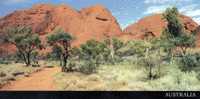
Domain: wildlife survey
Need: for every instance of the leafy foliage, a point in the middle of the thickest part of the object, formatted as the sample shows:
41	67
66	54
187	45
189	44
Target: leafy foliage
93	50
25	41
152	63
174	26
175	32
190	61
113	45
61	43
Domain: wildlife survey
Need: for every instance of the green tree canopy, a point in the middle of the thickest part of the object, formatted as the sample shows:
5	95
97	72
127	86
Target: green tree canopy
92	49
61	43
174	26
175	35
25	41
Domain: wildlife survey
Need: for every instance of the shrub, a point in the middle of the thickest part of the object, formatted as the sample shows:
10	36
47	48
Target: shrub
88	67
176	80
135	47
91	49
72	65
2	61
113	45
190	61
198	76
152	65
94	50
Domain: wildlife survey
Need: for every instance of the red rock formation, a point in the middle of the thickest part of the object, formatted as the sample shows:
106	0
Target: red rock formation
94	22
154	25
89	23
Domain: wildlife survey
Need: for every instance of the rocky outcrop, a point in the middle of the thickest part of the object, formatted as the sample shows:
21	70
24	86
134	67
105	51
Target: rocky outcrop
89	23
95	22
153	26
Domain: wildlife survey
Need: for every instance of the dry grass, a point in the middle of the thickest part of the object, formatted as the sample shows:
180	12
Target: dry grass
123	76
78	81
130	78
108	78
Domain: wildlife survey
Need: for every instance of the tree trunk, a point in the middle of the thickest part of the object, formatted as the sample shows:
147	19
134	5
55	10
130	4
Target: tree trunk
61	60
147	52
171	55
65	62
28	59
150	72
184	50
64	68
159	68
24	57
112	52
172	58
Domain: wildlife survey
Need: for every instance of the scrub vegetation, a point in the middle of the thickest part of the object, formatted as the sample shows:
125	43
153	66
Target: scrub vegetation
168	63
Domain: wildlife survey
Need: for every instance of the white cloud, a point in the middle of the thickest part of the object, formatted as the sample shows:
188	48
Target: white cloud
197	19
164	1
156	9
191	11
189	7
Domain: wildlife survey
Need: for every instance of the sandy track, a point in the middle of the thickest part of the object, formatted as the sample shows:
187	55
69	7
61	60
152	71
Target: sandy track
41	81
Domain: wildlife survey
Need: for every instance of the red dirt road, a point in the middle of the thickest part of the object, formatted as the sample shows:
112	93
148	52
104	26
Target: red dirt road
40	81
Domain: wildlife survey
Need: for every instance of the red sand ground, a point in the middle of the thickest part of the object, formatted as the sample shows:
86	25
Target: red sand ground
42	80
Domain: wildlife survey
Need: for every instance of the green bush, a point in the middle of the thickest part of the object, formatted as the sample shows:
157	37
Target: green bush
88	67
176	80
152	65
92	49
190	61
133	47
4	61
72	65
198	76
55	54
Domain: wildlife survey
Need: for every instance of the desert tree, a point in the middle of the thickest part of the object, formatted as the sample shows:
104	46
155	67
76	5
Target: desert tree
25	41
113	44
174	26
146	54
61	42
174	34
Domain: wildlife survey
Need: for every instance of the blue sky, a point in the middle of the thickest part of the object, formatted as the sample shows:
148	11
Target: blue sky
126	11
